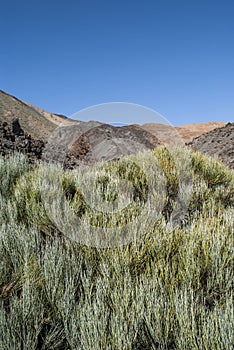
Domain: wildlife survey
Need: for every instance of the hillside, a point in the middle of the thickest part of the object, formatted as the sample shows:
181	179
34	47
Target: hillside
189	131
72	142
40	124
56	119
92	142
171	135
217	143
105	143
36	122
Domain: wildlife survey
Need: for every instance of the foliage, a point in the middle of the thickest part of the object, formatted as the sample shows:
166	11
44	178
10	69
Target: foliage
171	288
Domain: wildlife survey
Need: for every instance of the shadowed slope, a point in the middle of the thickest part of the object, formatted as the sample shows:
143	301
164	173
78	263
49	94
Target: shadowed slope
217	143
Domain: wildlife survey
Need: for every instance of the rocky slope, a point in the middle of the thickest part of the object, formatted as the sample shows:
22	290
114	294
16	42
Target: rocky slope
217	143
167	134
14	139
56	138
84	143
189	131
92	142
34	121
179	135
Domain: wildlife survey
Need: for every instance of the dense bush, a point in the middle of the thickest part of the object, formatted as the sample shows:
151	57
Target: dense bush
169	287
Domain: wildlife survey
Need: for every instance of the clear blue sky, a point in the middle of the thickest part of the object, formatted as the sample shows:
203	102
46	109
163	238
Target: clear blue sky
174	56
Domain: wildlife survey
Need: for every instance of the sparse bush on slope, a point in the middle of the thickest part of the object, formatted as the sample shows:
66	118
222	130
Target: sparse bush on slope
170	288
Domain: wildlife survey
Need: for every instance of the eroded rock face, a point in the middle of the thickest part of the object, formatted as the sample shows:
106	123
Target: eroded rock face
14	139
59	147
217	143
86	143
91	142
107	143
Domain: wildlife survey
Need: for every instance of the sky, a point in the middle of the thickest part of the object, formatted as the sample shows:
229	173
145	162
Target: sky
172	56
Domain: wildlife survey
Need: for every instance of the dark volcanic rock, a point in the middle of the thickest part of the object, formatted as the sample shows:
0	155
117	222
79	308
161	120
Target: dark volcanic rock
217	143
106	143
57	148
92	142
16	128
14	139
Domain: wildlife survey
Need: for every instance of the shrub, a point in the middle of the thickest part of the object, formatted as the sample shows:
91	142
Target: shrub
168	288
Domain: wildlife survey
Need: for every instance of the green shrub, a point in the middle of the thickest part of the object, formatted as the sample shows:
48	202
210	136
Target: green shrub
168	288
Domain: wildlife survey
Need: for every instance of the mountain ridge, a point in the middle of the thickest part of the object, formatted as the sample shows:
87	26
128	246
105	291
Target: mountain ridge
35	121
10	109
70	142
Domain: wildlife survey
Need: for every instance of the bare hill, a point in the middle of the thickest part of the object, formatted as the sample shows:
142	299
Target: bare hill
57	119
39	124
189	131
93	142
72	142
217	143
167	134
179	135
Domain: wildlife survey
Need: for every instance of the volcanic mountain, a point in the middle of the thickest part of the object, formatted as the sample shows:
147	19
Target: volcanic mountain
92	142
71	142
64	140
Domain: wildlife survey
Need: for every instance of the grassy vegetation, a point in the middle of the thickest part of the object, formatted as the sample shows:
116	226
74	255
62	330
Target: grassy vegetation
168	287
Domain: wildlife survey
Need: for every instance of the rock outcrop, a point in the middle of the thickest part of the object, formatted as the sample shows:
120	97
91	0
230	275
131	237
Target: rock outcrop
14	139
